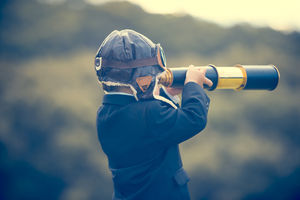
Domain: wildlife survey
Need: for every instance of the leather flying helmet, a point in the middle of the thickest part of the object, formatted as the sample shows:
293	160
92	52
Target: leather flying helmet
129	59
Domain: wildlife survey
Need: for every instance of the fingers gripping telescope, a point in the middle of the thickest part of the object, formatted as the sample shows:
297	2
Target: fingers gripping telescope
239	77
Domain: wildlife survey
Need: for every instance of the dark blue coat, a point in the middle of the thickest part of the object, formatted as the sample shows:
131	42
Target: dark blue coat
140	139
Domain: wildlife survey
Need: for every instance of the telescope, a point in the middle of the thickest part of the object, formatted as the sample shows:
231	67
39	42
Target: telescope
238	77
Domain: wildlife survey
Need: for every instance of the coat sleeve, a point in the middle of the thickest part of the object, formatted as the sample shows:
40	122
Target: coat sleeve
172	126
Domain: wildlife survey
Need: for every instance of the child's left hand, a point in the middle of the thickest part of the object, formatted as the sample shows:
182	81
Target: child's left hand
173	91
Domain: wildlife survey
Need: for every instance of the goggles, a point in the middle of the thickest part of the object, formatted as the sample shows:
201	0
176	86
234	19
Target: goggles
159	59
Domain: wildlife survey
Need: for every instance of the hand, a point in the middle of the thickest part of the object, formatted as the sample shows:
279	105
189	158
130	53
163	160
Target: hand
156	90
197	75
173	91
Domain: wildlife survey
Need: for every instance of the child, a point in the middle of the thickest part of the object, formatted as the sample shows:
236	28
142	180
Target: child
140	123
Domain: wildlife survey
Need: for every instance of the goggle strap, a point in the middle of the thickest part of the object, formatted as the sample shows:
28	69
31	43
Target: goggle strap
130	64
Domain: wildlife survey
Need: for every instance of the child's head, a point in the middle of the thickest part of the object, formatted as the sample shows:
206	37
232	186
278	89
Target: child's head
129	62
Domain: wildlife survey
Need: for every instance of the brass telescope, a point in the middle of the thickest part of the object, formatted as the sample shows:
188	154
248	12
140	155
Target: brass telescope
238	77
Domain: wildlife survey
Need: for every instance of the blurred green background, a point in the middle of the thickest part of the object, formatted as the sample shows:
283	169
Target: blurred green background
49	96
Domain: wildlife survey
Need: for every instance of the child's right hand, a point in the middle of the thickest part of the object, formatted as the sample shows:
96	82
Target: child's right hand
197	75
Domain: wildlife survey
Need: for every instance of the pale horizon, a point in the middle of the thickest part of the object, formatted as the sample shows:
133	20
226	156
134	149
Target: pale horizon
279	15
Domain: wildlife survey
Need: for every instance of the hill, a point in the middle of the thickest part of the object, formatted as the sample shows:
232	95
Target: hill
35	28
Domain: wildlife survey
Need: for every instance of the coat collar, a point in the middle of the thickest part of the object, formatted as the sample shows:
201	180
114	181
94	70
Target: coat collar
118	99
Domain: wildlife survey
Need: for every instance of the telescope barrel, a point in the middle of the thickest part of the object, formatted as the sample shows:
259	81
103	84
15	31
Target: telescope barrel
239	77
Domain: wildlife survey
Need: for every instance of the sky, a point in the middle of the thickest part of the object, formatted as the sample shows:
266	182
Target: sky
281	15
